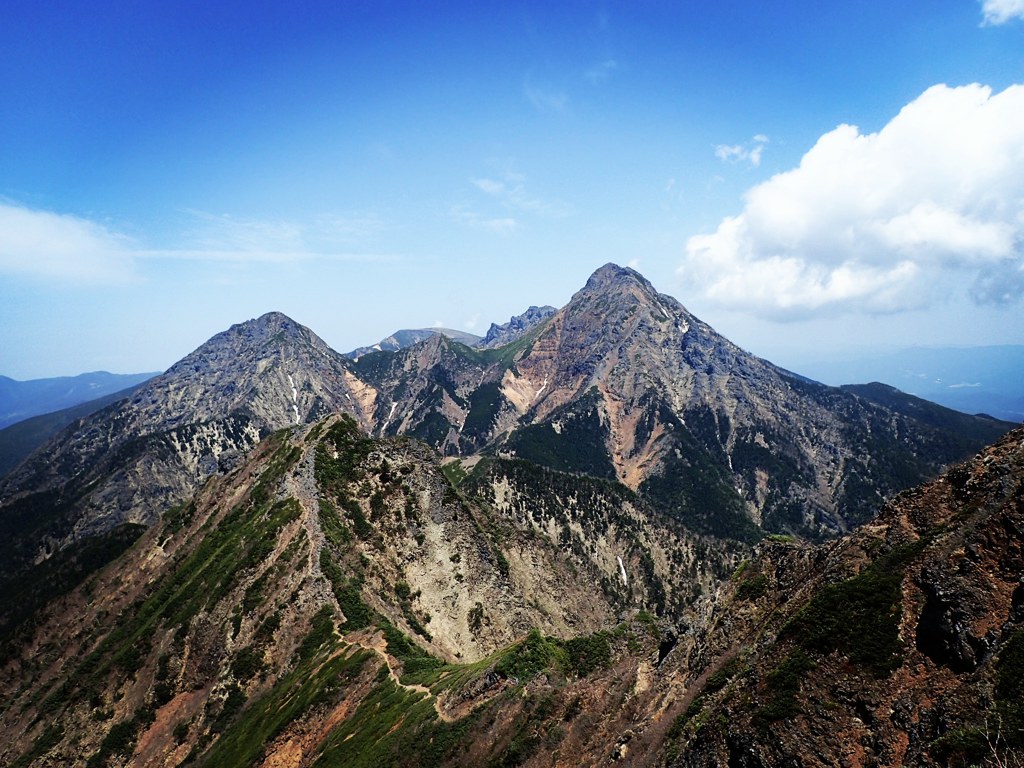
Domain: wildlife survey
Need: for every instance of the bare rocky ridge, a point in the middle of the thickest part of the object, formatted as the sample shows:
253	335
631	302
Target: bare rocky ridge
516	328
318	528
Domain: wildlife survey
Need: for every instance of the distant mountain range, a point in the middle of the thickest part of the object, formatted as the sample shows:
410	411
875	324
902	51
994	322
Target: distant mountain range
497	335
611	536
970	379
20	400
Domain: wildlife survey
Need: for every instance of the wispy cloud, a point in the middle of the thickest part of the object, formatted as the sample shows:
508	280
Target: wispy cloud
43	244
743	153
995	12
601	71
882	222
224	232
463	214
324	233
65	248
510	190
545	99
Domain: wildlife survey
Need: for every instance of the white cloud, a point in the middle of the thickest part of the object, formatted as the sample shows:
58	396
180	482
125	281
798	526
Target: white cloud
881	222
223	232
996	12
739	153
60	246
490	186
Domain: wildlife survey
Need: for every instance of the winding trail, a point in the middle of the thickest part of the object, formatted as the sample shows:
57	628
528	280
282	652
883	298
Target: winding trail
301	485
375	642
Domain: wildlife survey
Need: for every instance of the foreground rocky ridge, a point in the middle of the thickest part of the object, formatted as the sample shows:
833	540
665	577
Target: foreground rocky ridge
335	600
900	644
323	572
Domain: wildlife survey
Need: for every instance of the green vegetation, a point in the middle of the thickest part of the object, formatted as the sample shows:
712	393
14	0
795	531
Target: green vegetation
391	726
316	680
21	598
858	617
577	445
531	656
783	685
484	406
753	588
698	488
588	653
248	663
1002	731
432	430
119	741
236	543
351	448
47	740
454	472
715	682
503	357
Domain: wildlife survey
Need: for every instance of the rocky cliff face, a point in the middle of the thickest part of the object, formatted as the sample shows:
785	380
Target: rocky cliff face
901	644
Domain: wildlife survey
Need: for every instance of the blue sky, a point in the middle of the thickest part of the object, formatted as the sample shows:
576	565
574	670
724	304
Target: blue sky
810	178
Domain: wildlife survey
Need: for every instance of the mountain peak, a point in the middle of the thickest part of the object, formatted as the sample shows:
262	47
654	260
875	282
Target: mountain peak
269	323
273	318
613	276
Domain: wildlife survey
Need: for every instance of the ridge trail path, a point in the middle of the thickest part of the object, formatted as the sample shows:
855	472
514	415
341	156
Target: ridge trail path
301	486
374	641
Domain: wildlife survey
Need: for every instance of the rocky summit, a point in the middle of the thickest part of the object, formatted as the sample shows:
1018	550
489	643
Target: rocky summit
606	535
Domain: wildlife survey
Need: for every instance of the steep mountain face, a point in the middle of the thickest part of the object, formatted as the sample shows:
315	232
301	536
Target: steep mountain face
514	329
21	400
623	383
265	621
131	461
